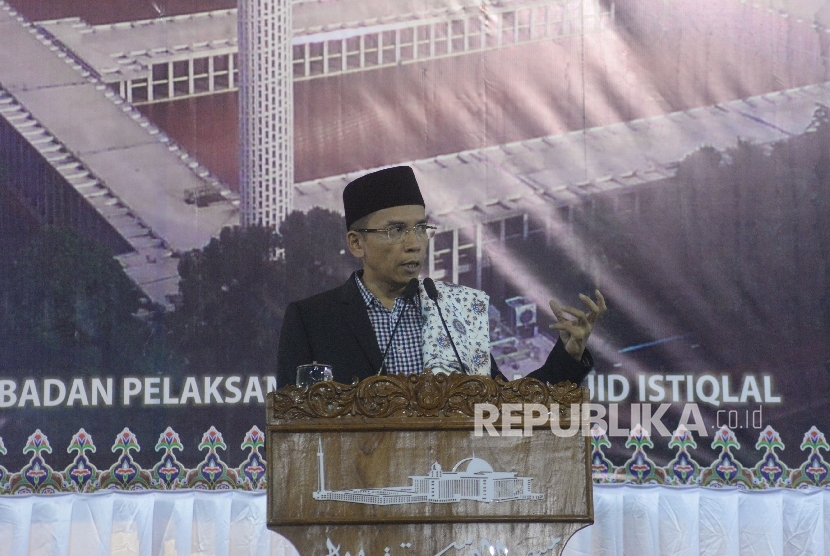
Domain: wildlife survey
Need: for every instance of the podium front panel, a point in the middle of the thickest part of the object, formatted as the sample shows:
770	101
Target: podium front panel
377	462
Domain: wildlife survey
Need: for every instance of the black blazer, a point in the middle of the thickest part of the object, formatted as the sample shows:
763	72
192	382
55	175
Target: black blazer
333	327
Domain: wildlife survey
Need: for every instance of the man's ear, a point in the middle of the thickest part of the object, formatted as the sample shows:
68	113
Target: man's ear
354	241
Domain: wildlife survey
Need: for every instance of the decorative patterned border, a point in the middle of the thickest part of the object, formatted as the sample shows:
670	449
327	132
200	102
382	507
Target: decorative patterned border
725	470
212	473
38	477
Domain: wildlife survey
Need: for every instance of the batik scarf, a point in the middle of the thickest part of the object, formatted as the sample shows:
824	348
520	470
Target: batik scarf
466	312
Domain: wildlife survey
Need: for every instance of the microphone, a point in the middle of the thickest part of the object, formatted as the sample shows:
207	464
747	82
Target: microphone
432	293
408	295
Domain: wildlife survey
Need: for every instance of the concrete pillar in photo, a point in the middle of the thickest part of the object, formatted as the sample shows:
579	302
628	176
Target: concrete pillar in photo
266	111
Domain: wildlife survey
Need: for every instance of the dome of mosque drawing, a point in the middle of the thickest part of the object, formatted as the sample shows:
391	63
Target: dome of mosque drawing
474	465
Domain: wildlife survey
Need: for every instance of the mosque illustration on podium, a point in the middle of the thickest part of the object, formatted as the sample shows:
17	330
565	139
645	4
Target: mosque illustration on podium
471	479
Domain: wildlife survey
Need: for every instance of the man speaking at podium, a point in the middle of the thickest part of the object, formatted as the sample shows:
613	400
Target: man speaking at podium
384	320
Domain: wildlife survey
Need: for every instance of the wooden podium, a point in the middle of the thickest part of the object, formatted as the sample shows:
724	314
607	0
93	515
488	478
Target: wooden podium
395	466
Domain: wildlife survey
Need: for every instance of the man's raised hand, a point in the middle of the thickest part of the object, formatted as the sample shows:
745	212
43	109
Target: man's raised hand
574	332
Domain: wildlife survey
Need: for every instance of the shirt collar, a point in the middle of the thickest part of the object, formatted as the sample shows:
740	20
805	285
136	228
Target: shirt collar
369	297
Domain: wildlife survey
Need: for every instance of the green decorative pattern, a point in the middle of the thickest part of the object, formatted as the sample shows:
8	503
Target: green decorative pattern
169	474
683	469
639	469
81	473
125	474
212	473
814	471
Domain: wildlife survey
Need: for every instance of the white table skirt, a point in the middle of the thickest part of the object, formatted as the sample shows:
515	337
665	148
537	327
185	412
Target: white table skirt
629	521
634	520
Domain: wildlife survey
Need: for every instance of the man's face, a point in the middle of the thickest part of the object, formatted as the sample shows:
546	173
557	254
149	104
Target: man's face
386	262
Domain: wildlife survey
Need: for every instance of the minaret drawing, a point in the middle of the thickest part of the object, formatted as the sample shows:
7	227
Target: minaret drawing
321	469
266	111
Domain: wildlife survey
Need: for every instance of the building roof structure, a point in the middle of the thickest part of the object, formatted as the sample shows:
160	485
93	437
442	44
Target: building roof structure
527	177
329	37
123	165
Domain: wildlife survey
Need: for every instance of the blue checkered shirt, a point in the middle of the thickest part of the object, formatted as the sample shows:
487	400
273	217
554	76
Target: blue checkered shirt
405	356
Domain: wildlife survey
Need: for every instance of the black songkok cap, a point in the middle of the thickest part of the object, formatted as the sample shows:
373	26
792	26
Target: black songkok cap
390	187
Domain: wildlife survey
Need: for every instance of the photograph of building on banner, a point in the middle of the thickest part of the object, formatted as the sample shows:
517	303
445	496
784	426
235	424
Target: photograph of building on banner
159	213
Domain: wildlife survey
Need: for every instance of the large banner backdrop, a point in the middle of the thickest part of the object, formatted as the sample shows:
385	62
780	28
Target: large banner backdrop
674	154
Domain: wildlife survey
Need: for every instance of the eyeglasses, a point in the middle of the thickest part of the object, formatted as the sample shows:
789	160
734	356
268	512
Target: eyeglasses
397	233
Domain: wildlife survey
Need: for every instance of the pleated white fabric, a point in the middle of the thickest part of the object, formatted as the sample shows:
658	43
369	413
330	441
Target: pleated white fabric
634	520
177	523
629	521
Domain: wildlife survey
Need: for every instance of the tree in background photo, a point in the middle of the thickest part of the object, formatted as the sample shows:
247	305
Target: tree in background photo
68	307
234	291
